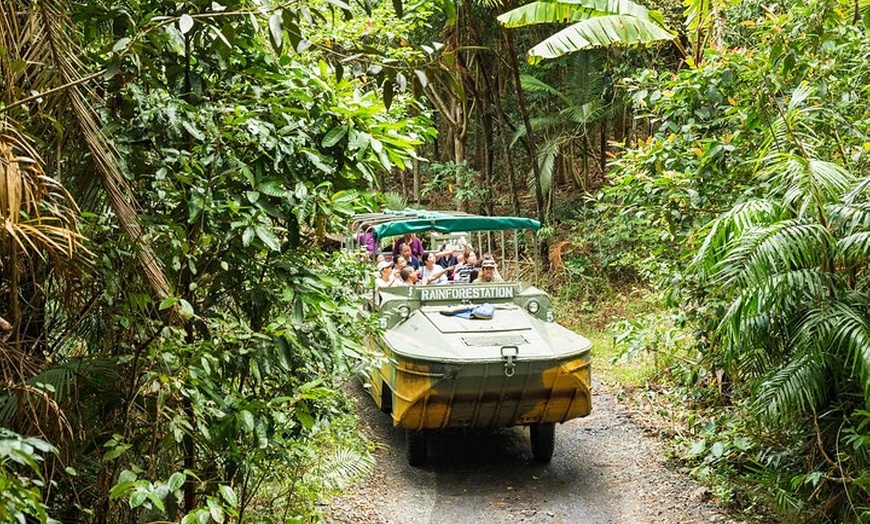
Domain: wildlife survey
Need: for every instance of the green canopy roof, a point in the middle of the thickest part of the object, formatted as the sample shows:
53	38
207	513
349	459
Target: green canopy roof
396	223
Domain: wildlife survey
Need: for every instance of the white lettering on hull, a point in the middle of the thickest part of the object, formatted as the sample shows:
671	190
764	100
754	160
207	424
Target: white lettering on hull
466	293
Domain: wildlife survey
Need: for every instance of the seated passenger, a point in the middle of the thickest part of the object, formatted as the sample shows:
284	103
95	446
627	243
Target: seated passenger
432	274
400	262
447	256
467	272
412	240
386	278
410	258
367	238
488	273
408	276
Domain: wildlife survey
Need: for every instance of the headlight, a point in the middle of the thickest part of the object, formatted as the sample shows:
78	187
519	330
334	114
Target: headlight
404	312
533	306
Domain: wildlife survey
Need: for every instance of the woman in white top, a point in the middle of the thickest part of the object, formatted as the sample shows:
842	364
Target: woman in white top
431	274
386	278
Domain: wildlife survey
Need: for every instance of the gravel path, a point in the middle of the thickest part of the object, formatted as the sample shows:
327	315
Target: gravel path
605	469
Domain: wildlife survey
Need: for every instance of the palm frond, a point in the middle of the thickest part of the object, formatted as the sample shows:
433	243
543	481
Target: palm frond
720	232
536	85
547	163
797	386
343	465
784	246
848	218
584	114
65	55
854	249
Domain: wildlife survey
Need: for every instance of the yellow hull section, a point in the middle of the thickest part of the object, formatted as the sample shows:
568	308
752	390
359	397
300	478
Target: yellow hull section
480	394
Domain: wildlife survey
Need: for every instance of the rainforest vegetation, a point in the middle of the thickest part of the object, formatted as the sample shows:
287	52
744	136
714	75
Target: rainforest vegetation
176	323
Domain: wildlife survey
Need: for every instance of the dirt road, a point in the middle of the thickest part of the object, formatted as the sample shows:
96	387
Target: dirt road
605	470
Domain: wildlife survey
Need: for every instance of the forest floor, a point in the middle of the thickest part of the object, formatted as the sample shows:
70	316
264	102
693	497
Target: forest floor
607	468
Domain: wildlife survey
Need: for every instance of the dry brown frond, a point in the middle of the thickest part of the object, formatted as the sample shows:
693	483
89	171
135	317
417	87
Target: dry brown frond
121	197
556	250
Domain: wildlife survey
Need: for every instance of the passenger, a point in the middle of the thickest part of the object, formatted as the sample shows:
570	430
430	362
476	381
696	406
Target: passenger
433	274
367	238
468	271
400	262
447	256
488	273
386	278
406	251
409	276
411	240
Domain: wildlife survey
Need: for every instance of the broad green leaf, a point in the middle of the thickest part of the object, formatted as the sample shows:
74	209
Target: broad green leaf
273	188
247	420
276	30
176	481
247	236
697	448
421	76
116	452
215	509
570	11
334	135
120	44
168	302
269	238
121	489
138	498
228	495
185	23
598	32
340	4
186	307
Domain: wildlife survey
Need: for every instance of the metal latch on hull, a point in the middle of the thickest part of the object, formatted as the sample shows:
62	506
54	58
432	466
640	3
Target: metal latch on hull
509	355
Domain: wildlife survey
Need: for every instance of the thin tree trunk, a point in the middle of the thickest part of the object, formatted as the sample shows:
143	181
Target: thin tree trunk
530	144
603	147
530	137
415	170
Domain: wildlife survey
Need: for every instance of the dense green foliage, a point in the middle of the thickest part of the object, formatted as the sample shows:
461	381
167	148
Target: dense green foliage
201	382
170	175
757	174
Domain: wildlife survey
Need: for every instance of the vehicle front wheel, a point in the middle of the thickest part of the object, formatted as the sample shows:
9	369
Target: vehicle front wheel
543	438
415	442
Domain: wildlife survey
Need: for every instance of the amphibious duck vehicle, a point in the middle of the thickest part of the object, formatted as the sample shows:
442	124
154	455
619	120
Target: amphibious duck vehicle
473	354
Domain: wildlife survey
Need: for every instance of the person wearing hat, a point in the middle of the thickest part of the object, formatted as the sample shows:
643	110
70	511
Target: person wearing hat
488	273
386	278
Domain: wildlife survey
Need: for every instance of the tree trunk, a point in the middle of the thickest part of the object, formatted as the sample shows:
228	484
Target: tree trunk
530	144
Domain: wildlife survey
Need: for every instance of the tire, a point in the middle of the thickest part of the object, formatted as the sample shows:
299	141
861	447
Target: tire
543	437
415	442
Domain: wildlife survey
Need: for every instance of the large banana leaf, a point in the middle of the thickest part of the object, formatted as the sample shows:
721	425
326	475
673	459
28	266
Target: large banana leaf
566	11
598	32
